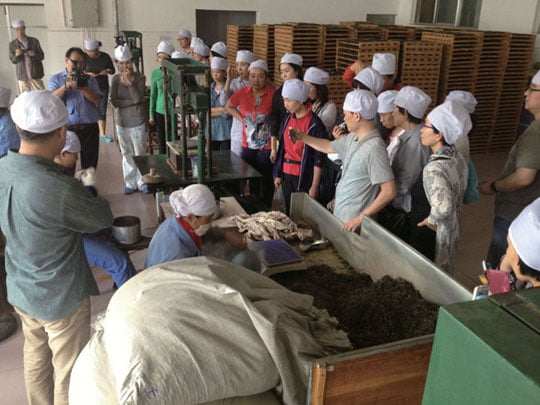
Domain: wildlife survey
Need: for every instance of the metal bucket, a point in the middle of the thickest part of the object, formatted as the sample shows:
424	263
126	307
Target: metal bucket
127	229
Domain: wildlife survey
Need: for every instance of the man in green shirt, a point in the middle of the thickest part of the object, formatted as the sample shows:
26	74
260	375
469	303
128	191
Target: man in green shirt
43	214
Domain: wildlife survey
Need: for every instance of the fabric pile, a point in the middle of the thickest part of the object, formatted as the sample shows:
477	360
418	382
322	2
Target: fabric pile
270	225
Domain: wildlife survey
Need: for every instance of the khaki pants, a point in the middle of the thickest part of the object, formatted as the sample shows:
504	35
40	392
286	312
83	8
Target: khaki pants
33	84
53	346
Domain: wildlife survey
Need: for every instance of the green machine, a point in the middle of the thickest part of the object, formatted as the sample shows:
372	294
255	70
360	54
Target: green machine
487	352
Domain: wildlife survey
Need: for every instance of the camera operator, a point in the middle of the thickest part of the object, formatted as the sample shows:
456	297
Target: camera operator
81	95
25	52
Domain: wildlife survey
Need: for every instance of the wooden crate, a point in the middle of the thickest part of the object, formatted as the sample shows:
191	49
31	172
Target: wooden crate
263	45
238	37
333	33
337	90
306	40
399	32
350	51
421	67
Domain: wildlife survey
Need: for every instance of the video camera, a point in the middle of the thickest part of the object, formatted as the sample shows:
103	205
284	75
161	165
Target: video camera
78	75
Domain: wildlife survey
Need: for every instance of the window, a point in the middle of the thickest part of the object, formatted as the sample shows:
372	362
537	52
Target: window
458	13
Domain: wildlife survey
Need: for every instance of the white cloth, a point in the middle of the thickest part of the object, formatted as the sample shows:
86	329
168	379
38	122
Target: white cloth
91	44
295	89
218	63
195	199
245	56
165	47
465	98
536	78
363	102
220	48
39	111
18	23
132	142
370	78
414	100
293	58
185	33
393	146
5	95
261	64
384	63
316	76
524	233
386	101
201	49
122	53
452	120
73	145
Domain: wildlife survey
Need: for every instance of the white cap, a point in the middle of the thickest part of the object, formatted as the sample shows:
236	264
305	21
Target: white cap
361	101
220	48
384	63
536	78
91	44
218	63
196	199
201	49
179	55
39	111
261	64
465	98
524	233
316	76
245	56
73	145
185	33
195	40
5	95
371	79
452	120
295	89
18	23
122	53
414	100
293	58
165	47
386	101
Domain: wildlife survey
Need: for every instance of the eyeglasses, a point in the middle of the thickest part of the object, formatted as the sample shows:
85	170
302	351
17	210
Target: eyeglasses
427	126
532	89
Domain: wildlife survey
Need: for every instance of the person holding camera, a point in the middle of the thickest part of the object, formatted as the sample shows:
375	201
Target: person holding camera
81	95
26	53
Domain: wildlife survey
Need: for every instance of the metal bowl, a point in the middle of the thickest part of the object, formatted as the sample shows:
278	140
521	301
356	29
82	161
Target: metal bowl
127	229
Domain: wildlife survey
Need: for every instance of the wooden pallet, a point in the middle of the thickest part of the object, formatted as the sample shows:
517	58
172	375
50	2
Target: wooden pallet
238	37
350	51
421	67
337	90
306	40
263	45
359	23
333	33
399	32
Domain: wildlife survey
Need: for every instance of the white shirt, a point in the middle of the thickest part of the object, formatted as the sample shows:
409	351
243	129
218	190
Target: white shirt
393	146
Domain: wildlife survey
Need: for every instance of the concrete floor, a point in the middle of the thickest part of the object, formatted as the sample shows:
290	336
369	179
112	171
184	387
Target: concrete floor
476	234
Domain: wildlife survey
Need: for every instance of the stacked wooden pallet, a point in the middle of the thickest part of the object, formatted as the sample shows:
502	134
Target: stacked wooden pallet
337	89
514	84
359	23
461	55
238	37
304	39
420	31
399	32
333	33
350	51
263	45
493	59
421	67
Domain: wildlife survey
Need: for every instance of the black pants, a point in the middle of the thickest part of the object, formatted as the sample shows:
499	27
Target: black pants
289	185
88	135
221	145
161	136
260	160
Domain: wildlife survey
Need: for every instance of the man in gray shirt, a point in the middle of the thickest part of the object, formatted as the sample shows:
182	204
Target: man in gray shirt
43	213
367	183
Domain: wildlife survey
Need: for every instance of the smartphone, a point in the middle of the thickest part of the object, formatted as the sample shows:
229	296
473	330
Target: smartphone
499	281
343	126
480	291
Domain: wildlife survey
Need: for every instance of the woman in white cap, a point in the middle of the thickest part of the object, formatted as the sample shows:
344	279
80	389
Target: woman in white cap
219	49
100	65
467	101
127	96
9	137
157	104
391	131
221	119
368	79
298	166
201	52
290	67
384	63
243	59
252	105
184	40
445	178
321	104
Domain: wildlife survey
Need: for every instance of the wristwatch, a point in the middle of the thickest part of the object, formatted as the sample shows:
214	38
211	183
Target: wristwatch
492	187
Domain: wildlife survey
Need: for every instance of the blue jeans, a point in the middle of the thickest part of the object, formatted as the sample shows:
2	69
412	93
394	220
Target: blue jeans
497	248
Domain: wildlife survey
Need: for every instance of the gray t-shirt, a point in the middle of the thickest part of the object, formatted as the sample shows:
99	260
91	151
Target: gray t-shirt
524	154
365	167
128	101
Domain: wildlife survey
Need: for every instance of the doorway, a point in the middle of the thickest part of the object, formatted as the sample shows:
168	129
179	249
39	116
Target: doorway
211	25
